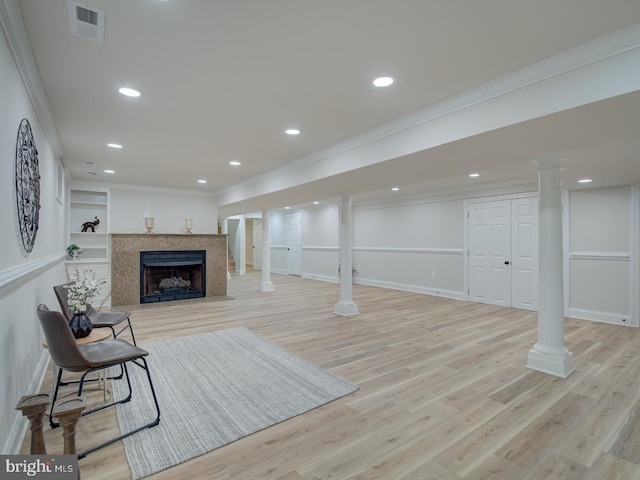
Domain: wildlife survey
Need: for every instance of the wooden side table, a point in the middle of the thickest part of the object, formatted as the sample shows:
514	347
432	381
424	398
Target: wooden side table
96	335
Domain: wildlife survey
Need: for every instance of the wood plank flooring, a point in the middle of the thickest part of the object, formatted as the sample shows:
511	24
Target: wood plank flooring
444	392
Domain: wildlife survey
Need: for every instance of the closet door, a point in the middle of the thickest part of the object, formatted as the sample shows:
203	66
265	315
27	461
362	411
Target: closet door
257	244
490	252
503	252
524	252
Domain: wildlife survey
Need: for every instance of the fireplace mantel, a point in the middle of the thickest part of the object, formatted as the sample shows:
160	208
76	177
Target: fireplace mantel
125	261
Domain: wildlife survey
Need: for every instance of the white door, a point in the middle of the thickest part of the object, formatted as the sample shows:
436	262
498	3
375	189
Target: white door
257	244
489	253
524	253
503	252
294	244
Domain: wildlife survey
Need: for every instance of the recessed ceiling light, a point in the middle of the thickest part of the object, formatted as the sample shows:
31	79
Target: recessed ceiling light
235	163
109	171
383	82
292	131
474	175
129	92
395	189
114	145
287	208
585	180
202	181
316	203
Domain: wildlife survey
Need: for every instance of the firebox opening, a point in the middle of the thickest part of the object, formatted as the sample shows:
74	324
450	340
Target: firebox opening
172	275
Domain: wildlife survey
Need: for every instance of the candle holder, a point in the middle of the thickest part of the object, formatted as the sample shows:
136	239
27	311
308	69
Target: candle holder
188	225
148	223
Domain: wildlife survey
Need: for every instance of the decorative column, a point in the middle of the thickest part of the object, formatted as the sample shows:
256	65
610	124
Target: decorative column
346	306
33	407
550	355
266	285
225	231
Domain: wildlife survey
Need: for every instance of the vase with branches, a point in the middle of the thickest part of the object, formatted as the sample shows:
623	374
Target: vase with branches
81	289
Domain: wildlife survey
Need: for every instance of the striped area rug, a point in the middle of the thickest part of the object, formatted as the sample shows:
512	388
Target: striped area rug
214	388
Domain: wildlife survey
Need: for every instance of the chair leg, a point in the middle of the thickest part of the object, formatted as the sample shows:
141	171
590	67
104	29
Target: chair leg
127	326
131	330
115	335
106	405
151	424
55	396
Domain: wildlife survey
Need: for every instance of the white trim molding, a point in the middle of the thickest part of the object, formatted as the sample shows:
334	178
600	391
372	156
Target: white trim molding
438	292
11	278
605	317
321	248
427	251
619	256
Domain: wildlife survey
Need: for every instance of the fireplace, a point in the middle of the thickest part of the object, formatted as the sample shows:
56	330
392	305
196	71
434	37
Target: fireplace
172	275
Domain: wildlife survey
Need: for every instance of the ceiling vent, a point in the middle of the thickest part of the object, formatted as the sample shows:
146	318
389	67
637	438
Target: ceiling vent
86	21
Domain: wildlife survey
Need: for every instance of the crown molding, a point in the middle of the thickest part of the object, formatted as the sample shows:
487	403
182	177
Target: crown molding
79	184
18	40
588	53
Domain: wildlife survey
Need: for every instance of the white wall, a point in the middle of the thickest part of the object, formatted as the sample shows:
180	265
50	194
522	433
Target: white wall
25	280
394	246
415	246
418	245
321	242
169	210
600	254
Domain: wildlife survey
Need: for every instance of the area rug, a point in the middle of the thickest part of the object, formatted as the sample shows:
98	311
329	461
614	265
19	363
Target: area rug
214	388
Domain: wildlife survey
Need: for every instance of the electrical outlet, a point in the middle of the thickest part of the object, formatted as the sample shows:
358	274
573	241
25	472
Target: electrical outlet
433	273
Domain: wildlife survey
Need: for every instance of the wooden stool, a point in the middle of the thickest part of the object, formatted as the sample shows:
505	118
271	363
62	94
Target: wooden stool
68	411
33	407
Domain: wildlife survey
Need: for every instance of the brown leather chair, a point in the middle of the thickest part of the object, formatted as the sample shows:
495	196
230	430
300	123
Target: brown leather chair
98	319
91	357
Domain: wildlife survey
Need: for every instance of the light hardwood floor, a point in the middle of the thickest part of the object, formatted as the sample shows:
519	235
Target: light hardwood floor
444	392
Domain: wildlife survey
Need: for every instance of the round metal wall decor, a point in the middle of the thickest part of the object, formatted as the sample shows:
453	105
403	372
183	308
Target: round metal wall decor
27	185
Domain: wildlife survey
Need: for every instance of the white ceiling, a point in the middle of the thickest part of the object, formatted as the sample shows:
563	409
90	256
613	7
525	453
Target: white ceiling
222	80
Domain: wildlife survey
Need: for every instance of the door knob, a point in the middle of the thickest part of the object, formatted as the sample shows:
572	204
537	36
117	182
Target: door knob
506	262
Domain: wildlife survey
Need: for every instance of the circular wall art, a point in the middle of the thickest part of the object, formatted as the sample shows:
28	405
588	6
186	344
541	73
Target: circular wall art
27	185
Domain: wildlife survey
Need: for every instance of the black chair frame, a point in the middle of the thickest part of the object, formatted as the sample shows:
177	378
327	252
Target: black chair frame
92	358
81	383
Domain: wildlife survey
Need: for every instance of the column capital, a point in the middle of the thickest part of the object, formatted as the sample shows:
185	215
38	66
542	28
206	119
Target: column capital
549	160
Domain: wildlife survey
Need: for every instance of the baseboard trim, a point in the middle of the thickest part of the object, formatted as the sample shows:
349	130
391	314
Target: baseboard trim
605	317
438	292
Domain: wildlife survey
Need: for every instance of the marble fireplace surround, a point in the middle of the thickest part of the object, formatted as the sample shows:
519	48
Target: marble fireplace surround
125	261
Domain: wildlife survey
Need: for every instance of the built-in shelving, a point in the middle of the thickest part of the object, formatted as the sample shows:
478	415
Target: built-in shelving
84	206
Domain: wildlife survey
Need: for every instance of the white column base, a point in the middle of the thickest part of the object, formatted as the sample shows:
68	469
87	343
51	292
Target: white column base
266	287
228	275
558	362
345	309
